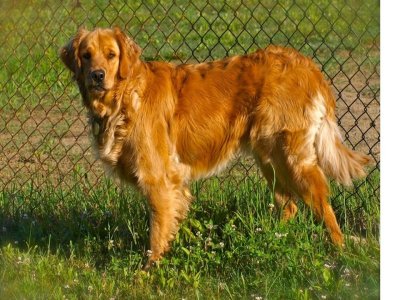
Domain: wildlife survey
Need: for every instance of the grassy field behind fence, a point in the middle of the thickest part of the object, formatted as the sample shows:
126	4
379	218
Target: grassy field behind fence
68	232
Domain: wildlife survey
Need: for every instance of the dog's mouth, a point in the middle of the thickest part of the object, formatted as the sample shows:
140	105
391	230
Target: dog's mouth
97	89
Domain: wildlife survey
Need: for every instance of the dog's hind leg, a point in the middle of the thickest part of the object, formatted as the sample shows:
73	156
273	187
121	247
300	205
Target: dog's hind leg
284	199
313	189
297	170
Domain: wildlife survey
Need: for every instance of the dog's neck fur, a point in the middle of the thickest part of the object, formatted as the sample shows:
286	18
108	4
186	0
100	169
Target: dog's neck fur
111	115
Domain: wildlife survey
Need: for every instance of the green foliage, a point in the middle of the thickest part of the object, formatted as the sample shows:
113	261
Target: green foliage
92	244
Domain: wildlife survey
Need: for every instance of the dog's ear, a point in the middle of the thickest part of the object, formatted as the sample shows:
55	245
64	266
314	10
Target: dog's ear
129	53
69	53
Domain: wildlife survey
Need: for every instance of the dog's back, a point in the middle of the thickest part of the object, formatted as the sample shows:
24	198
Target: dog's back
238	103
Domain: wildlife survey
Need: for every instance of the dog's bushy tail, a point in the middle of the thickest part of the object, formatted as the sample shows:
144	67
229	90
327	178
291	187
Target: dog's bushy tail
338	161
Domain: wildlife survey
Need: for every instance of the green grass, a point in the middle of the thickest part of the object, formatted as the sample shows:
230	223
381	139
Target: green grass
91	243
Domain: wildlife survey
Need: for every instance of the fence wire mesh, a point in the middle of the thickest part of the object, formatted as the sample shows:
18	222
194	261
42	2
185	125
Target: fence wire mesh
43	131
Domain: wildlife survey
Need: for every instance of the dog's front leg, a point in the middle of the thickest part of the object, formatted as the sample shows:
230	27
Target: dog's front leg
169	205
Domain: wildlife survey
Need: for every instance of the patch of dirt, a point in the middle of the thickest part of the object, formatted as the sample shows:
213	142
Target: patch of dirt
43	146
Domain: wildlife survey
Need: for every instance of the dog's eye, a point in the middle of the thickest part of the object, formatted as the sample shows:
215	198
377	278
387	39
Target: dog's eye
86	55
111	55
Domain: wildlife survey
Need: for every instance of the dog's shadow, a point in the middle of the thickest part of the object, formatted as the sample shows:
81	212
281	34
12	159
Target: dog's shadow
77	224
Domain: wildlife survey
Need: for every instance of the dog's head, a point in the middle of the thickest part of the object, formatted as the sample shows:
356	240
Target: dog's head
100	58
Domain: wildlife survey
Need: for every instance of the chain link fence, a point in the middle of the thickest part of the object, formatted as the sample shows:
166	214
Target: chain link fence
43	128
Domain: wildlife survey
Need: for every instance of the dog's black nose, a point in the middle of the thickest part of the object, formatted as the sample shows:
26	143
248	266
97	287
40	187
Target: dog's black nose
98	75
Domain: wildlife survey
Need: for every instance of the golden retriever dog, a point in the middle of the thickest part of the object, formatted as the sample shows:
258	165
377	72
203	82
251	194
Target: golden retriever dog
159	125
